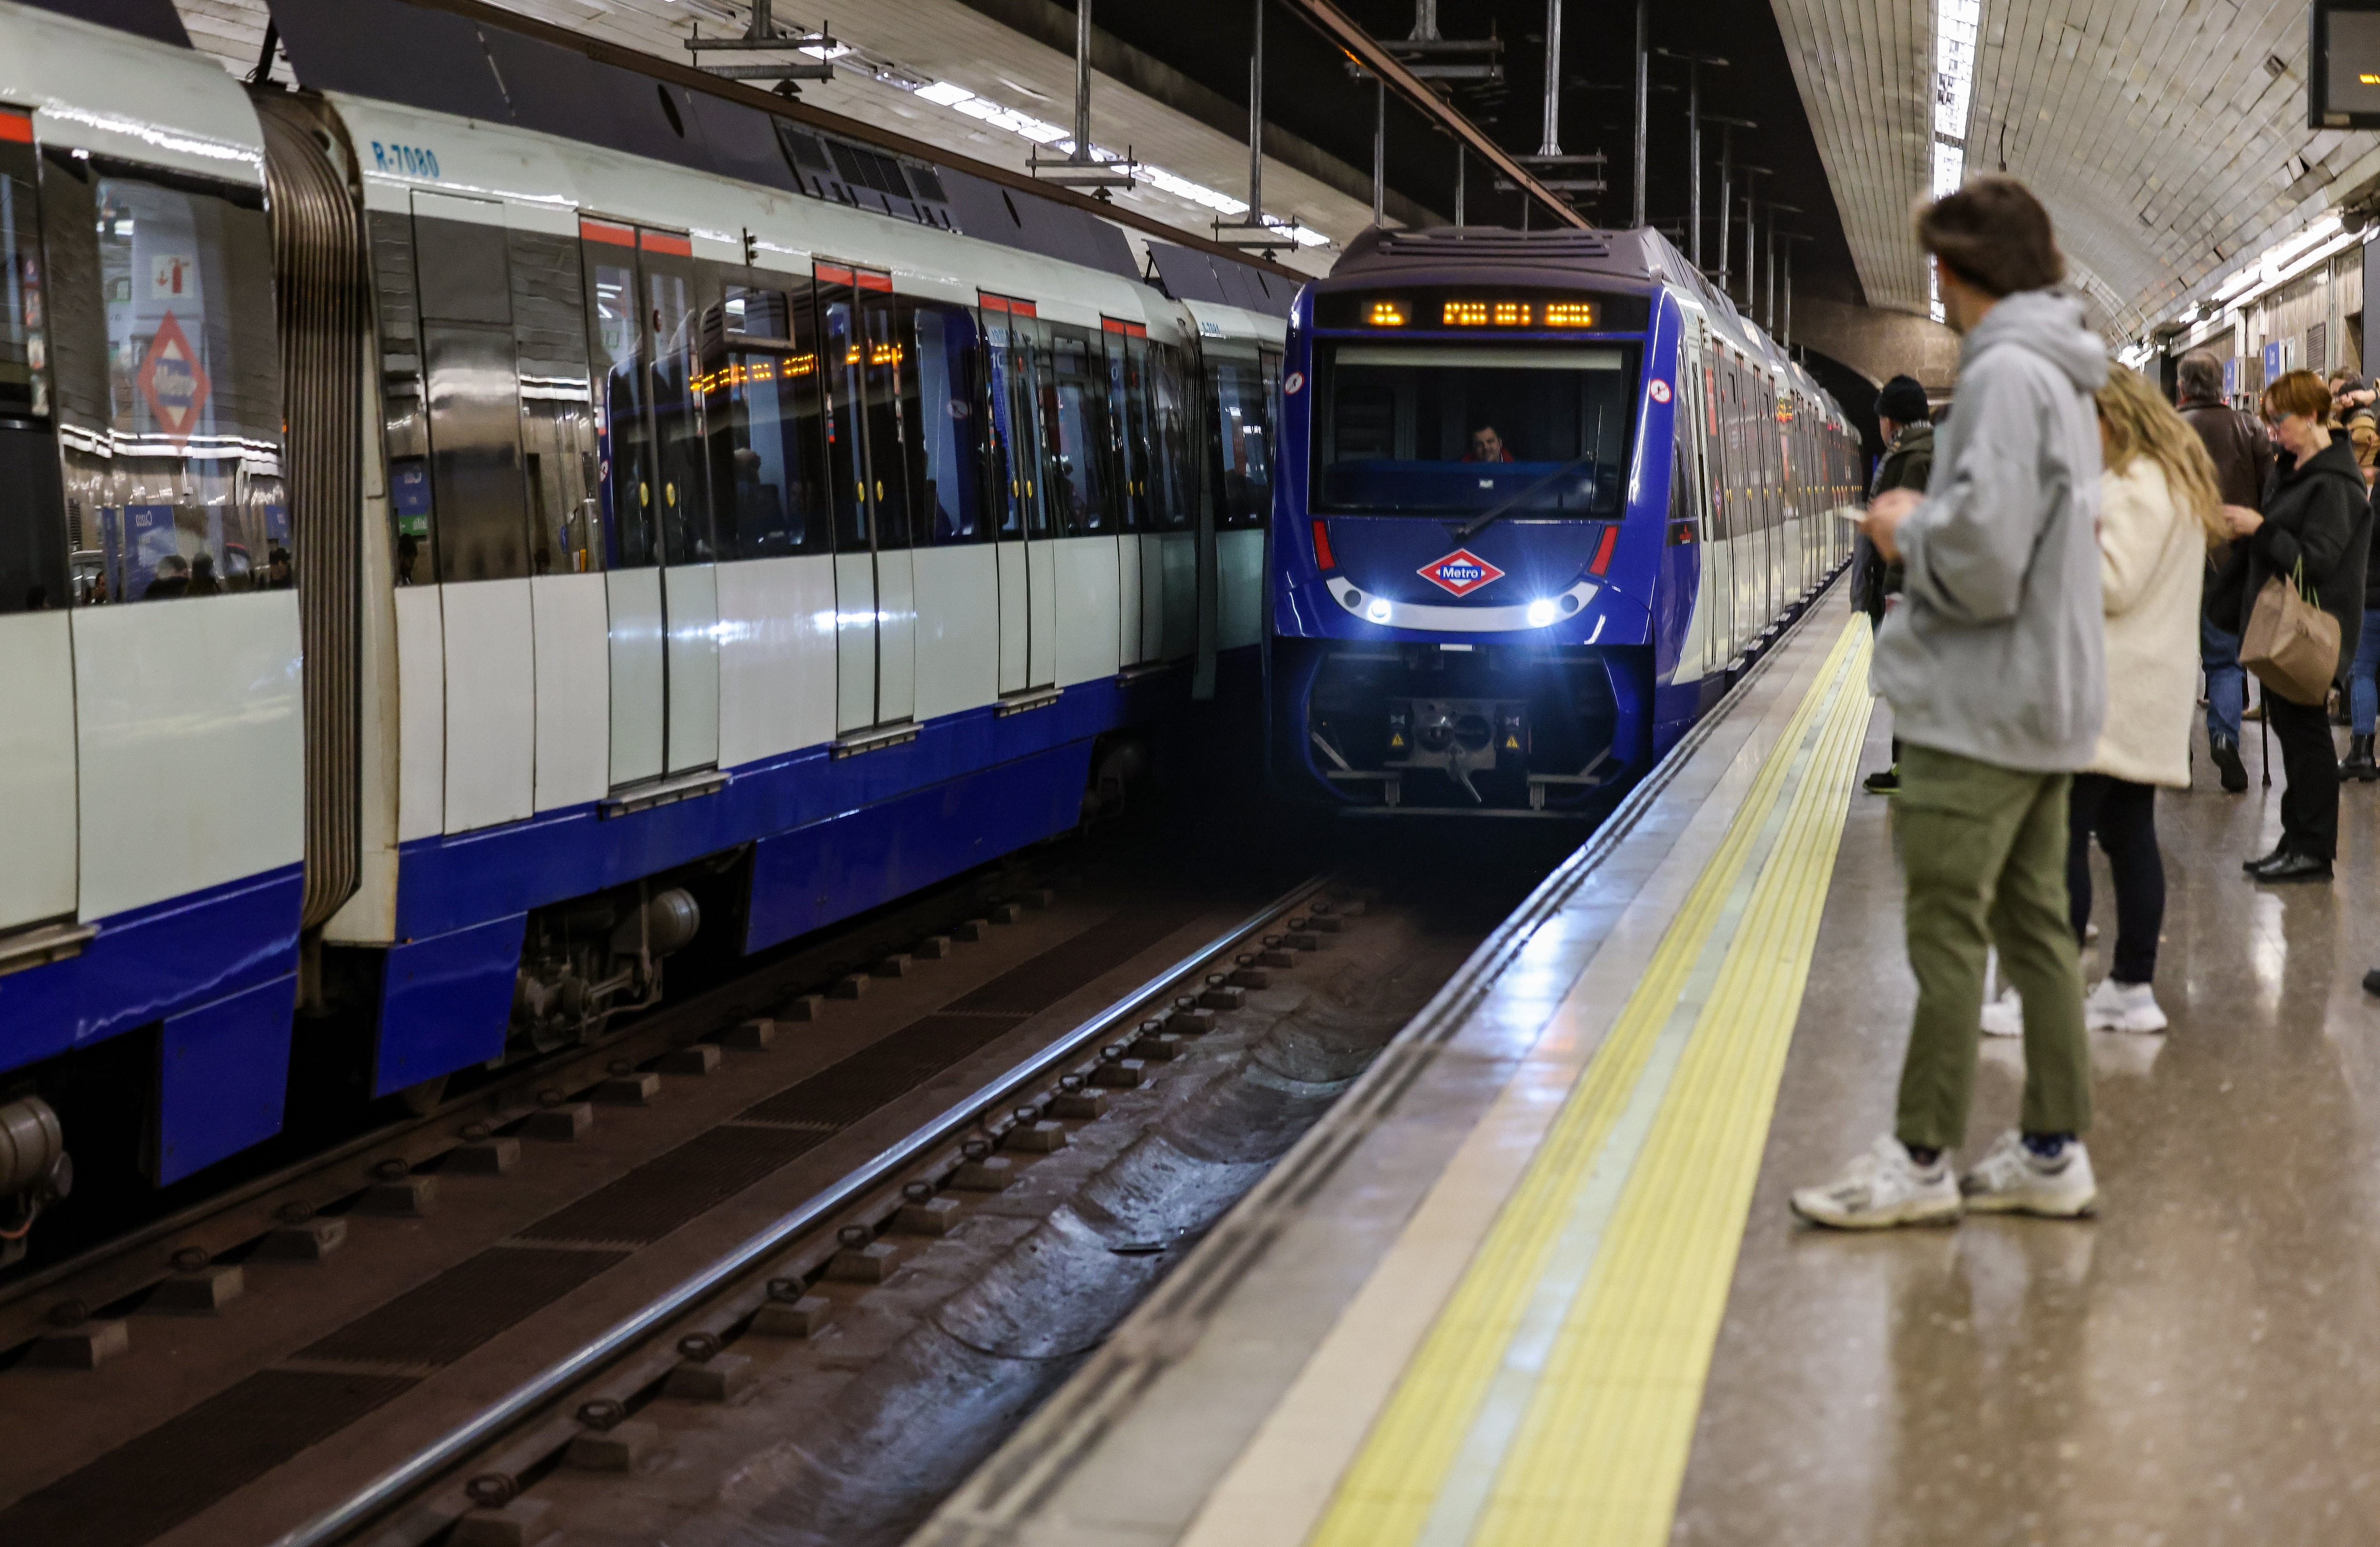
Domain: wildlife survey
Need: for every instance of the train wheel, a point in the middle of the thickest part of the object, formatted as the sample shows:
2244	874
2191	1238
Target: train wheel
422	1100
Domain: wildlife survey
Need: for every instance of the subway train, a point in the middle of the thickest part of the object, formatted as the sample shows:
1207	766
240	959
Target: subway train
1541	497
479	523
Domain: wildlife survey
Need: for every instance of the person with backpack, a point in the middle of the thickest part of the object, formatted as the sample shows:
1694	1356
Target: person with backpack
1995	669
2243	454
2314	532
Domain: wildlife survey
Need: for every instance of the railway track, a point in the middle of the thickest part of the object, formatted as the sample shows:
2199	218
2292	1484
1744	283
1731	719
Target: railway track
595	1292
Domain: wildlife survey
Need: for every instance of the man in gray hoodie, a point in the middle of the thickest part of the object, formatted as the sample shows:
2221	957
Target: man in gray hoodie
1995	671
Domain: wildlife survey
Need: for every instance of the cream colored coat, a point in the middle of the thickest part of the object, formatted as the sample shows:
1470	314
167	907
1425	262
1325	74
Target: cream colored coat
2151	563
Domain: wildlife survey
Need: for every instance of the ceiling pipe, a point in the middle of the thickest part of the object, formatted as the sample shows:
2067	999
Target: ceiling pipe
1552	147
1643	91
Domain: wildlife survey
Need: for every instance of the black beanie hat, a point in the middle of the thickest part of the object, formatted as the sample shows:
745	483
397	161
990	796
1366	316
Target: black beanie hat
1903	401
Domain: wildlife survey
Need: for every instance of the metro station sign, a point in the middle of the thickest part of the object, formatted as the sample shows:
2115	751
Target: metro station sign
173	380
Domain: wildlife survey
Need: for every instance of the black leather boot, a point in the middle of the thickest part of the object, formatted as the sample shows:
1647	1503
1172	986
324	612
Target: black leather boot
2359	763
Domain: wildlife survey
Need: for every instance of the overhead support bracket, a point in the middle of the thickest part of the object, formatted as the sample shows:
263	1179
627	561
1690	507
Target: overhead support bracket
1078	168
1340	29
762	37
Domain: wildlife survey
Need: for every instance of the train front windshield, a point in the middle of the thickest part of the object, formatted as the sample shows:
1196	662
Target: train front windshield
1417	428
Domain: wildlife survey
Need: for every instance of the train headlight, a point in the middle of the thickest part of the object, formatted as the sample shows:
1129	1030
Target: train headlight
1541	613
1376	610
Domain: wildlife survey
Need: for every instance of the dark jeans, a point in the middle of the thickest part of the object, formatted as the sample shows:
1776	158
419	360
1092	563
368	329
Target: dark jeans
2309	804
2123	815
2226	684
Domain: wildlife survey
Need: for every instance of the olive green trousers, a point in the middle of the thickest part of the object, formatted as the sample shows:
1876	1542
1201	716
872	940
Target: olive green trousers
1984	848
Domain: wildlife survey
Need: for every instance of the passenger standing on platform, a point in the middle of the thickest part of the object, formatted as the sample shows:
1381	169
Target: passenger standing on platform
2158	515
1908	425
2244	460
2315	530
1994	667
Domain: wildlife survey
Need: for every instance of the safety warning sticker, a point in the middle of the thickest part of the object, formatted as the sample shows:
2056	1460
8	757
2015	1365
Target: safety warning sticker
1461	572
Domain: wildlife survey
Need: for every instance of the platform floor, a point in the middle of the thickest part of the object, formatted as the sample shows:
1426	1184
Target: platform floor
1535	1280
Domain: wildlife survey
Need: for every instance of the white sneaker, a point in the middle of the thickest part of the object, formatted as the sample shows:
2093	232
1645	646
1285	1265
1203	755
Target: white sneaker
2004	1016
2114	1006
2012	1179
1882	1188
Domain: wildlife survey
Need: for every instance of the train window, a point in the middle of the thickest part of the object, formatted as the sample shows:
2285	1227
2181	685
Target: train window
624	434
189	501
944	469
33	544
1434	427
761	393
683	505
1013	444
891	385
841	348
557	404
1173	503
1128	445
1241	409
1074	434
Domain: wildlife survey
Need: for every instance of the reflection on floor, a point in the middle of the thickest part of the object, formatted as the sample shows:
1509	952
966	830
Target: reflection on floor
2199	1365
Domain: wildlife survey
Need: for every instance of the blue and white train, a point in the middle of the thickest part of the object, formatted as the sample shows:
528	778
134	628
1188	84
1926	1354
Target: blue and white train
1541	496
470	525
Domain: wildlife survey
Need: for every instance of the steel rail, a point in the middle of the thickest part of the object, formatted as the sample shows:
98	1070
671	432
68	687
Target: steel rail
424	1466
1341	28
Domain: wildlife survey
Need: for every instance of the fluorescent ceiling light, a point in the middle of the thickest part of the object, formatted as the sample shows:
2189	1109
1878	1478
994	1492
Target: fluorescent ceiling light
991	115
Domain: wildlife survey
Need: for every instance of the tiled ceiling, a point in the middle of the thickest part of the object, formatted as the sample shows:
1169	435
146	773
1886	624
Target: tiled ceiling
2167	136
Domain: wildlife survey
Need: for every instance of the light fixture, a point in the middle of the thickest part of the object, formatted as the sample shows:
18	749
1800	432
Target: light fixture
1541	613
1377	611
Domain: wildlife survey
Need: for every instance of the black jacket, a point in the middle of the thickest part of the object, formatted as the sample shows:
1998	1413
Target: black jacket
2315	514
1907	464
2243	454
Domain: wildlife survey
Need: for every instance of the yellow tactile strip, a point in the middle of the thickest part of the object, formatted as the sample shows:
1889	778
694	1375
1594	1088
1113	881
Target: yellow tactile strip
1554	1398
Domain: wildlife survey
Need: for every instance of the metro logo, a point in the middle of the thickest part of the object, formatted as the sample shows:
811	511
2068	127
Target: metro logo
1461	572
173	380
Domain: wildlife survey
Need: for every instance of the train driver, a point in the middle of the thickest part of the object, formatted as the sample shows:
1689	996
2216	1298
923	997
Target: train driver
1486	445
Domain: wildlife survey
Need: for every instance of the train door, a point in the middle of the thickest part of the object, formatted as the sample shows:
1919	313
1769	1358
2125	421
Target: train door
1028	645
875	581
890	388
1710	593
43	564
661	579
472	388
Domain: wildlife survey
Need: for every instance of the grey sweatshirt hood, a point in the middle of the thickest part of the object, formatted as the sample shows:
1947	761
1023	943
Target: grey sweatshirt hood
1995	653
2048	323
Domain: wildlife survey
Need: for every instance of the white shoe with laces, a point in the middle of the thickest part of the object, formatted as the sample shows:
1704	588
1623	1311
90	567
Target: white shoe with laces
2114	1006
2004	1016
1882	1188
2012	1179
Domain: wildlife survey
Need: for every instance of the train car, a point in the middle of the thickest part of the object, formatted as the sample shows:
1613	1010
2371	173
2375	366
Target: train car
1541	497
595	515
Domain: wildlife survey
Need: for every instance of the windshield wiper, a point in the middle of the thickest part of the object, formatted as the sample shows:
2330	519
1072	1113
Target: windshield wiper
1480	523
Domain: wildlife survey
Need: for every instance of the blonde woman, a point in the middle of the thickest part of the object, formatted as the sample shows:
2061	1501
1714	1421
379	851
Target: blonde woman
2159	513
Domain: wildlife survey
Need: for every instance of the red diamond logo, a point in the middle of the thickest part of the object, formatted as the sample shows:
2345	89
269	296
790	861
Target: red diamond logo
173	380
1461	572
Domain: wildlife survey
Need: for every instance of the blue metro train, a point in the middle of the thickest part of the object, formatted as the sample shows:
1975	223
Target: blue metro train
1540	497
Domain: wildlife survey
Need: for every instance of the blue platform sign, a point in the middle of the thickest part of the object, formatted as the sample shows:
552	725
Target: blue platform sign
2231	377
2272	363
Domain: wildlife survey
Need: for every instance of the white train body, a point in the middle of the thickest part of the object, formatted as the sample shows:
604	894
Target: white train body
549	597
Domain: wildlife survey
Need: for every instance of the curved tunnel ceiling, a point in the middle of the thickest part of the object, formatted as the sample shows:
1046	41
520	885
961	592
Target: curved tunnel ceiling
2168	140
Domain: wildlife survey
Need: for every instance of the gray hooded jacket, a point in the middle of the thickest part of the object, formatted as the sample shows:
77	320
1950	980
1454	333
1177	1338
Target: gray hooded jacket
1996	652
